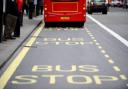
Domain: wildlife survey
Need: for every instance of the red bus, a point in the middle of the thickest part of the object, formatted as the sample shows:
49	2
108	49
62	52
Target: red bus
65	11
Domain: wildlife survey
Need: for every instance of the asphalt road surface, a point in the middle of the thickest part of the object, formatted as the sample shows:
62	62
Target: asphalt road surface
92	57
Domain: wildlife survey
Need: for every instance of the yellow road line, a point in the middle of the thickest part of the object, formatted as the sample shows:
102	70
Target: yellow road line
123	77
16	62
116	68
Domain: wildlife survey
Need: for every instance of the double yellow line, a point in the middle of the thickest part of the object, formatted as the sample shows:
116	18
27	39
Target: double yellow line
16	62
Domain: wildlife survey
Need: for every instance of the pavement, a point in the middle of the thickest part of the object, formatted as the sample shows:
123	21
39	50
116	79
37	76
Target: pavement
8	48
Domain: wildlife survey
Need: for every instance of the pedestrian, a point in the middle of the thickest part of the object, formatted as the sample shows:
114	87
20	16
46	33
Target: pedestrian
10	17
17	29
31	8
37	7
25	7
41	3
1	20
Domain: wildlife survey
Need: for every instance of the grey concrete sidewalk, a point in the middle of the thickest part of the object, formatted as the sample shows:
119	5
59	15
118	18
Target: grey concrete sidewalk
7	48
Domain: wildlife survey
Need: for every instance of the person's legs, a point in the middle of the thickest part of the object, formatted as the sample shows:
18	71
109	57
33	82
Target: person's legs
21	18
30	10
1	20
37	10
41	10
1	28
26	8
17	28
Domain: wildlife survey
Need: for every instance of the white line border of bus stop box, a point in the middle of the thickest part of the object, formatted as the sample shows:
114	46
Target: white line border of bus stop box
117	36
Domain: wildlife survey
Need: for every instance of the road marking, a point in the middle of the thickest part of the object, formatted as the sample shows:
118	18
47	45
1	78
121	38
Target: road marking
103	51
82	43
117	36
123	77
106	55
100	47
12	68
116	68
91	35
16	62
69	43
93	38
97	43
57	43
111	61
